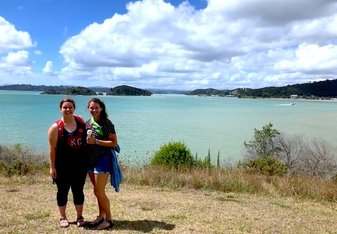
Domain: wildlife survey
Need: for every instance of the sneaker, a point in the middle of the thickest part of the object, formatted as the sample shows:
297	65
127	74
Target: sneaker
105	225
95	223
64	223
80	222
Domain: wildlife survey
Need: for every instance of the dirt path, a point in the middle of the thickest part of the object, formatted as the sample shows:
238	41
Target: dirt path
30	207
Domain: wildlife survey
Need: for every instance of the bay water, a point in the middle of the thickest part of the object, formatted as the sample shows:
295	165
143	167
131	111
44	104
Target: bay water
143	124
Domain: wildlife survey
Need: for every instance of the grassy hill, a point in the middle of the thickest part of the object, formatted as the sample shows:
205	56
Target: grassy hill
325	89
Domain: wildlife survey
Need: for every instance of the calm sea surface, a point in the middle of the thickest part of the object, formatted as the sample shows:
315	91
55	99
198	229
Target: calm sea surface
143	124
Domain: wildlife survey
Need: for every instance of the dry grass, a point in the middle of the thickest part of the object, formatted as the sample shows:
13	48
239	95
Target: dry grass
27	205
234	180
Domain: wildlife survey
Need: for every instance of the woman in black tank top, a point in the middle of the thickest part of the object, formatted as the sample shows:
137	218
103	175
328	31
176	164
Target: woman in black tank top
68	160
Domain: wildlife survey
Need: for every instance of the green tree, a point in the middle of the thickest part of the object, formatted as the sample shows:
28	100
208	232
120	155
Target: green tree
262	143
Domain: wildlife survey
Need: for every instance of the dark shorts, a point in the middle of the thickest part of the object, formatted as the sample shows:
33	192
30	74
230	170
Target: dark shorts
102	166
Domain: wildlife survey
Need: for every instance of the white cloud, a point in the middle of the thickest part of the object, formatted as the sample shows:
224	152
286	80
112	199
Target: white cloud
48	68
38	52
11	39
229	44
311	58
15	64
19	58
14	59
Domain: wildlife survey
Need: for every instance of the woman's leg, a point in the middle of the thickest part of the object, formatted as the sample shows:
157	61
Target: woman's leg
99	190
77	190
62	210
62	197
101	214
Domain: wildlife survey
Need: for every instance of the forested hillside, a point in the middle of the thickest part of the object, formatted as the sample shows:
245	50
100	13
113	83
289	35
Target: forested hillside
319	89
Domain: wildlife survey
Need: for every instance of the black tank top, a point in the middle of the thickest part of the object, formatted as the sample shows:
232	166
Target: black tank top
70	149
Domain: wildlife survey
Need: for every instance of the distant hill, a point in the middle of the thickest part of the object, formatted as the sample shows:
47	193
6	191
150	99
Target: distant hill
70	91
43	88
125	90
326	89
318	89
168	91
209	92
49	89
28	87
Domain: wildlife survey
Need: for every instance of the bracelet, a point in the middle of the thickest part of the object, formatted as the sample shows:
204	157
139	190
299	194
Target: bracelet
97	142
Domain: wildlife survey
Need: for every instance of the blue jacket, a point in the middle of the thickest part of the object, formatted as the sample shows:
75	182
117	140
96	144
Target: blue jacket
115	173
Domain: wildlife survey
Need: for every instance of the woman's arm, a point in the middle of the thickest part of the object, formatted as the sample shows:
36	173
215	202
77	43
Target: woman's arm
111	142
52	139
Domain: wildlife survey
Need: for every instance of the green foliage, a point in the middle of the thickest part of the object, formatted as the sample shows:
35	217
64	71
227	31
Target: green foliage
209	92
325	88
261	151
178	155
50	91
125	90
68	90
19	160
207	160
79	91
262	143
205	163
265	165
173	154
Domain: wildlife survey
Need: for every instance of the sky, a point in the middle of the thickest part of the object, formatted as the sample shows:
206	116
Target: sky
168	44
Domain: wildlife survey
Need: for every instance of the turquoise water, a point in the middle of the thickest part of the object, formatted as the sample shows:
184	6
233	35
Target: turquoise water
143	124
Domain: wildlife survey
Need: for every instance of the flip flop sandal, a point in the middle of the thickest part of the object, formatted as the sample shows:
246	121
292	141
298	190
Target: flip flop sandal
64	223
95	223
105	225
80	222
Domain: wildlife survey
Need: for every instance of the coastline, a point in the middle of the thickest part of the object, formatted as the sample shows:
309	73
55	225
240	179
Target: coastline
144	124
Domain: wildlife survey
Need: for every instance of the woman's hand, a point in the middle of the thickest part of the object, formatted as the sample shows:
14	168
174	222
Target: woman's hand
52	172
91	140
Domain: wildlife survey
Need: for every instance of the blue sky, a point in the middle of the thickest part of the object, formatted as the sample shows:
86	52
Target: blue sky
172	44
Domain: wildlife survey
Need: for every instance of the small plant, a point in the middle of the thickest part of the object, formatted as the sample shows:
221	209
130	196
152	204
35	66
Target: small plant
208	159
265	165
206	162
173	154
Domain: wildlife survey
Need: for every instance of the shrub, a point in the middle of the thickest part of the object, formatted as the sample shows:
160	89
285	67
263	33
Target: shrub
19	160
173	154
292	149
263	142
265	165
307	158
314	158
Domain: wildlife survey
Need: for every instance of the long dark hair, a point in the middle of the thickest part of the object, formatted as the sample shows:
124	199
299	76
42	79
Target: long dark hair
103	115
67	100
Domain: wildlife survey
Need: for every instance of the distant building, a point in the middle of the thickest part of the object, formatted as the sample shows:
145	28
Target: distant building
294	96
